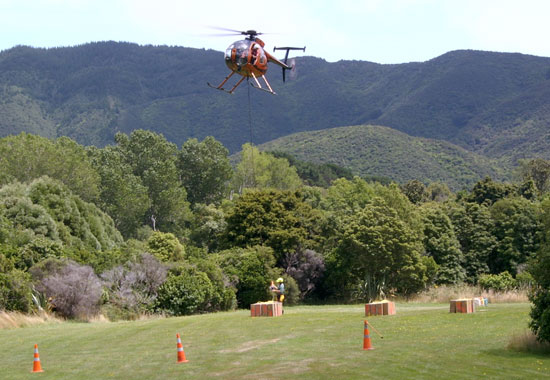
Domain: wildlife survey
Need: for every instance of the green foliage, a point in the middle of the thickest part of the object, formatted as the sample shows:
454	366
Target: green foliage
223	296
122	194
153	160
186	292
313	174
263	171
15	291
205	170
78	223
249	270
537	170
165	246
540	269
438	192
415	191
473	226
26	157
346	196
517	230
374	151
375	243
488	191
278	219
441	244
498	282
208	226
48	220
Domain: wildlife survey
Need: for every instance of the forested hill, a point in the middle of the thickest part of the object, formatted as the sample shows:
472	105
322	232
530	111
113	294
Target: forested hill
495	104
369	150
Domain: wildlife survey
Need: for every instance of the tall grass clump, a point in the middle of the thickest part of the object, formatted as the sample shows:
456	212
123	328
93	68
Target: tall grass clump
14	319
527	342
445	293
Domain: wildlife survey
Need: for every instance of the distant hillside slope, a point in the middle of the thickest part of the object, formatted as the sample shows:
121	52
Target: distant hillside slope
496	104
381	151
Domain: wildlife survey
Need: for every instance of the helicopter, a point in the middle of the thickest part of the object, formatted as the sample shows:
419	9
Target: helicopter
248	58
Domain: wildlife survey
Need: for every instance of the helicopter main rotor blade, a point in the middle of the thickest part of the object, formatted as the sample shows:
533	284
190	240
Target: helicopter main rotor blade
226	29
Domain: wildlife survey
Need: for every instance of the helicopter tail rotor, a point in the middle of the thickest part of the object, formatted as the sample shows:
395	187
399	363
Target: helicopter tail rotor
293	72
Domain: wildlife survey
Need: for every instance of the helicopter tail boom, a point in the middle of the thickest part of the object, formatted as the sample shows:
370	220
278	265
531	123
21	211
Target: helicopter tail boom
284	64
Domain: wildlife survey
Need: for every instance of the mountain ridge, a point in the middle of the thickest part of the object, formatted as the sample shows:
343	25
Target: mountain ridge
493	104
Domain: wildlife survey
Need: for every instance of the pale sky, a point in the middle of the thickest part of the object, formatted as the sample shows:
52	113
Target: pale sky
382	31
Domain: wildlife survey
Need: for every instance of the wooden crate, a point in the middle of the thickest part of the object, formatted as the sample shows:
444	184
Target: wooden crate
464	305
266	309
380	308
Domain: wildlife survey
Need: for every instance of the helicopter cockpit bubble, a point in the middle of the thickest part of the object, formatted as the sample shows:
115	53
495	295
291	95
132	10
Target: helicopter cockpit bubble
238	53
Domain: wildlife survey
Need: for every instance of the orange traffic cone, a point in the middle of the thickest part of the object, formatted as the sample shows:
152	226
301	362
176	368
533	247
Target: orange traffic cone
181	353
36	367
366	338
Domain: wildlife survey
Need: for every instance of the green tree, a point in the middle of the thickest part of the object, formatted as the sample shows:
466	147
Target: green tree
278	219
122	194
517	229
26	157
440	242
153	159
540	269
473	226
165	246
537	170
205	170
415	191
262	170
345	196
376	245
208	226
438	192
314	174
488	191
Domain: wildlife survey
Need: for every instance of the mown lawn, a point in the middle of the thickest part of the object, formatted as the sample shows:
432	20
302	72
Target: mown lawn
422	341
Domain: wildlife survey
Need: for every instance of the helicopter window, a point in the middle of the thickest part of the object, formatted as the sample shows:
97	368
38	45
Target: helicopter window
228	51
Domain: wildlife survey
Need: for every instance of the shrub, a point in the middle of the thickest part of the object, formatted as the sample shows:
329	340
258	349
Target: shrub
15	291
73	290
223	295
165	246
37	250
292	291
498	282
132	288
184	293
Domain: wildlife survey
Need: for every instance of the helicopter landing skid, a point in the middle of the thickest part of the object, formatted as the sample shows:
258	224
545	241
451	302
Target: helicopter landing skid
219	88
259	86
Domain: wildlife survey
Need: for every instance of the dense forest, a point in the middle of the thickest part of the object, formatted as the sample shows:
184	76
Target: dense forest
142	226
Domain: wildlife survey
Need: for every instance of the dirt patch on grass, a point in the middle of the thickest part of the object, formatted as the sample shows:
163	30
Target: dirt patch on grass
251	345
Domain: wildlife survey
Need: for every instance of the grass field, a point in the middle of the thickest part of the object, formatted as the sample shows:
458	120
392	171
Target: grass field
422	341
